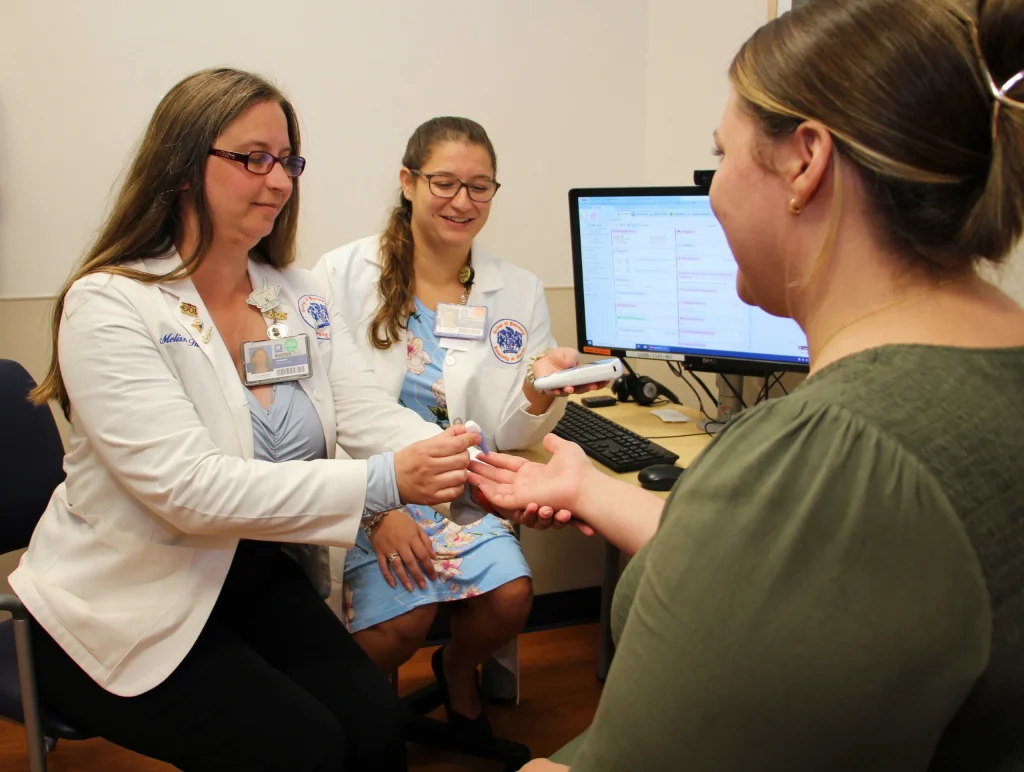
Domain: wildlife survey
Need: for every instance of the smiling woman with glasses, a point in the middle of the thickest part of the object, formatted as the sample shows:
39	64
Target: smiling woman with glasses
442	185
455	334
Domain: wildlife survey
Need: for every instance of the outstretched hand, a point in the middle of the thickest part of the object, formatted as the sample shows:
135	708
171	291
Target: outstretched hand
534	516
540	496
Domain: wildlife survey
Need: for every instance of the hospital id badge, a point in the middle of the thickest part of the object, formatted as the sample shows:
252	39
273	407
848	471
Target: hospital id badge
452	320
275	361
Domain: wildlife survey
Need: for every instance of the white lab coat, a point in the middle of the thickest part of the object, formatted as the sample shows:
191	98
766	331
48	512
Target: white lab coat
129	557
480	385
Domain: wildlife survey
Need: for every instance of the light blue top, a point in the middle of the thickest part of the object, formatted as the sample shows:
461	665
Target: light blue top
470	559
290	430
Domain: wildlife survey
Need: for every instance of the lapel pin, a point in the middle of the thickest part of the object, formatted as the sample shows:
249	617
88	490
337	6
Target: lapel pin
266	297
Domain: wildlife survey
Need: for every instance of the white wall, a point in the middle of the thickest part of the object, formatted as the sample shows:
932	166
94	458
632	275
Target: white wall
689	47
559	86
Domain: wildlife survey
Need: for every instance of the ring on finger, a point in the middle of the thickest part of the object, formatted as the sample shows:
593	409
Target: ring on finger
392	557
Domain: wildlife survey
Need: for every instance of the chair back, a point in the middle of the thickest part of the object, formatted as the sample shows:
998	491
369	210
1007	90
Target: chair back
31	457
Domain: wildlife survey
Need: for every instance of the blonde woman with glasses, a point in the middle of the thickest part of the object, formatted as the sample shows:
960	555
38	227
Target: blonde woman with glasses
837	583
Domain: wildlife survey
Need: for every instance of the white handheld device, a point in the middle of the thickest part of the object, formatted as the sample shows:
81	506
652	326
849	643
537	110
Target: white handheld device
473	426
595	372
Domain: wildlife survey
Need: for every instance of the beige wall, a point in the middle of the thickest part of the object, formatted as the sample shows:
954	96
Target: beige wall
558	85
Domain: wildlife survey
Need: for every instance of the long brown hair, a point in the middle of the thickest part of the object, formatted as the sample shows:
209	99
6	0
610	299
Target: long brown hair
395	287
909	104
145	220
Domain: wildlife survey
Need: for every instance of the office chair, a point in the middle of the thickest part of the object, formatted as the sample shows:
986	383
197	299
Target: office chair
31	458
434	733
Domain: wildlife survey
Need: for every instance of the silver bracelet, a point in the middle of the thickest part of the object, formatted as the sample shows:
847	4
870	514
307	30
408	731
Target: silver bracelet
372	520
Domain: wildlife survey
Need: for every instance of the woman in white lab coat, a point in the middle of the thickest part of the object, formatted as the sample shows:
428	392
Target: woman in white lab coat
457	335
170	620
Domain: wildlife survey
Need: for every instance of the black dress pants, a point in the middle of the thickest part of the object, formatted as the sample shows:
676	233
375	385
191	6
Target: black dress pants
273	683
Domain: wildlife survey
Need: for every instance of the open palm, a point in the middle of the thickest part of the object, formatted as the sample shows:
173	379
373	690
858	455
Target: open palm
550	489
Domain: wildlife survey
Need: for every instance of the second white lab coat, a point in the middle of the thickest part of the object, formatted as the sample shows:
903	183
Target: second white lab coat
483	378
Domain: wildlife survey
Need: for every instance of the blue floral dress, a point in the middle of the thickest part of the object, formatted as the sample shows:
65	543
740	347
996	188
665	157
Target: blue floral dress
470	560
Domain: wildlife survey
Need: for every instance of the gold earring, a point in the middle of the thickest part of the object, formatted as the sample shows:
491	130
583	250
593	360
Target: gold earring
794	207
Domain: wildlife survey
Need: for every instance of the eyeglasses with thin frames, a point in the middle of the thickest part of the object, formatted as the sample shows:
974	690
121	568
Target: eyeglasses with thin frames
260	162
442	185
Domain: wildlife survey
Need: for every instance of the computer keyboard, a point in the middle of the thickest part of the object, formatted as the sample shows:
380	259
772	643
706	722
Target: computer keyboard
609	443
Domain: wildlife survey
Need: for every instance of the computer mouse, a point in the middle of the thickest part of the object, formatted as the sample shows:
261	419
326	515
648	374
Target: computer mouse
659	477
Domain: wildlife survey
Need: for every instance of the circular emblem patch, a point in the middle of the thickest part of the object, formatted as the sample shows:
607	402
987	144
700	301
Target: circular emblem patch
313	310
508	341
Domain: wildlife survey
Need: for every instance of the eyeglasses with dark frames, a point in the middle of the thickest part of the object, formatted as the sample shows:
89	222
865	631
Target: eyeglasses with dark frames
260	162
443	185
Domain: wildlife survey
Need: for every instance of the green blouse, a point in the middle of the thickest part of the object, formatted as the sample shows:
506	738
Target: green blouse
837	582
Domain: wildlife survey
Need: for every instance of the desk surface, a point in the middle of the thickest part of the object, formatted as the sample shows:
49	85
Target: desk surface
686	439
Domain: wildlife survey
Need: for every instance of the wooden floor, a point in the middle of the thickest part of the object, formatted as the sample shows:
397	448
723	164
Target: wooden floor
559	695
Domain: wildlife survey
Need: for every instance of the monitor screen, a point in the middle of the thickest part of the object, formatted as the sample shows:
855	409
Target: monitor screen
655	279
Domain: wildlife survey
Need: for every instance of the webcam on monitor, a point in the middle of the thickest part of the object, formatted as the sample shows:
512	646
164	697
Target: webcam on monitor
702	177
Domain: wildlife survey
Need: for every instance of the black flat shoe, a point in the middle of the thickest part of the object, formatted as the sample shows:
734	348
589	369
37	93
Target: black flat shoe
477	727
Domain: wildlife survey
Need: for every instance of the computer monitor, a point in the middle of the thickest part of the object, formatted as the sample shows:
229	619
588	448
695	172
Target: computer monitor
655	279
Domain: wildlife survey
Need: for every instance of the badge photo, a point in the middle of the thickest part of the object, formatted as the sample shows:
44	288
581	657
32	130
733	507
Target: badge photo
274	361
313	310
508	341
453	320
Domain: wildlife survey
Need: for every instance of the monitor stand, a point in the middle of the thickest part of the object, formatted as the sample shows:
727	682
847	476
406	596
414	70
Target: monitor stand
728	404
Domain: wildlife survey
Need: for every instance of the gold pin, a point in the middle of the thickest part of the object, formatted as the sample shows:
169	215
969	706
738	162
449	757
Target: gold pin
207	334
198	325
465	274
188	309
277	316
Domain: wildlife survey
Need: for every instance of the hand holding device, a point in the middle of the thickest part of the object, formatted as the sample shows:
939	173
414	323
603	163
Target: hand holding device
596	373
433	471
